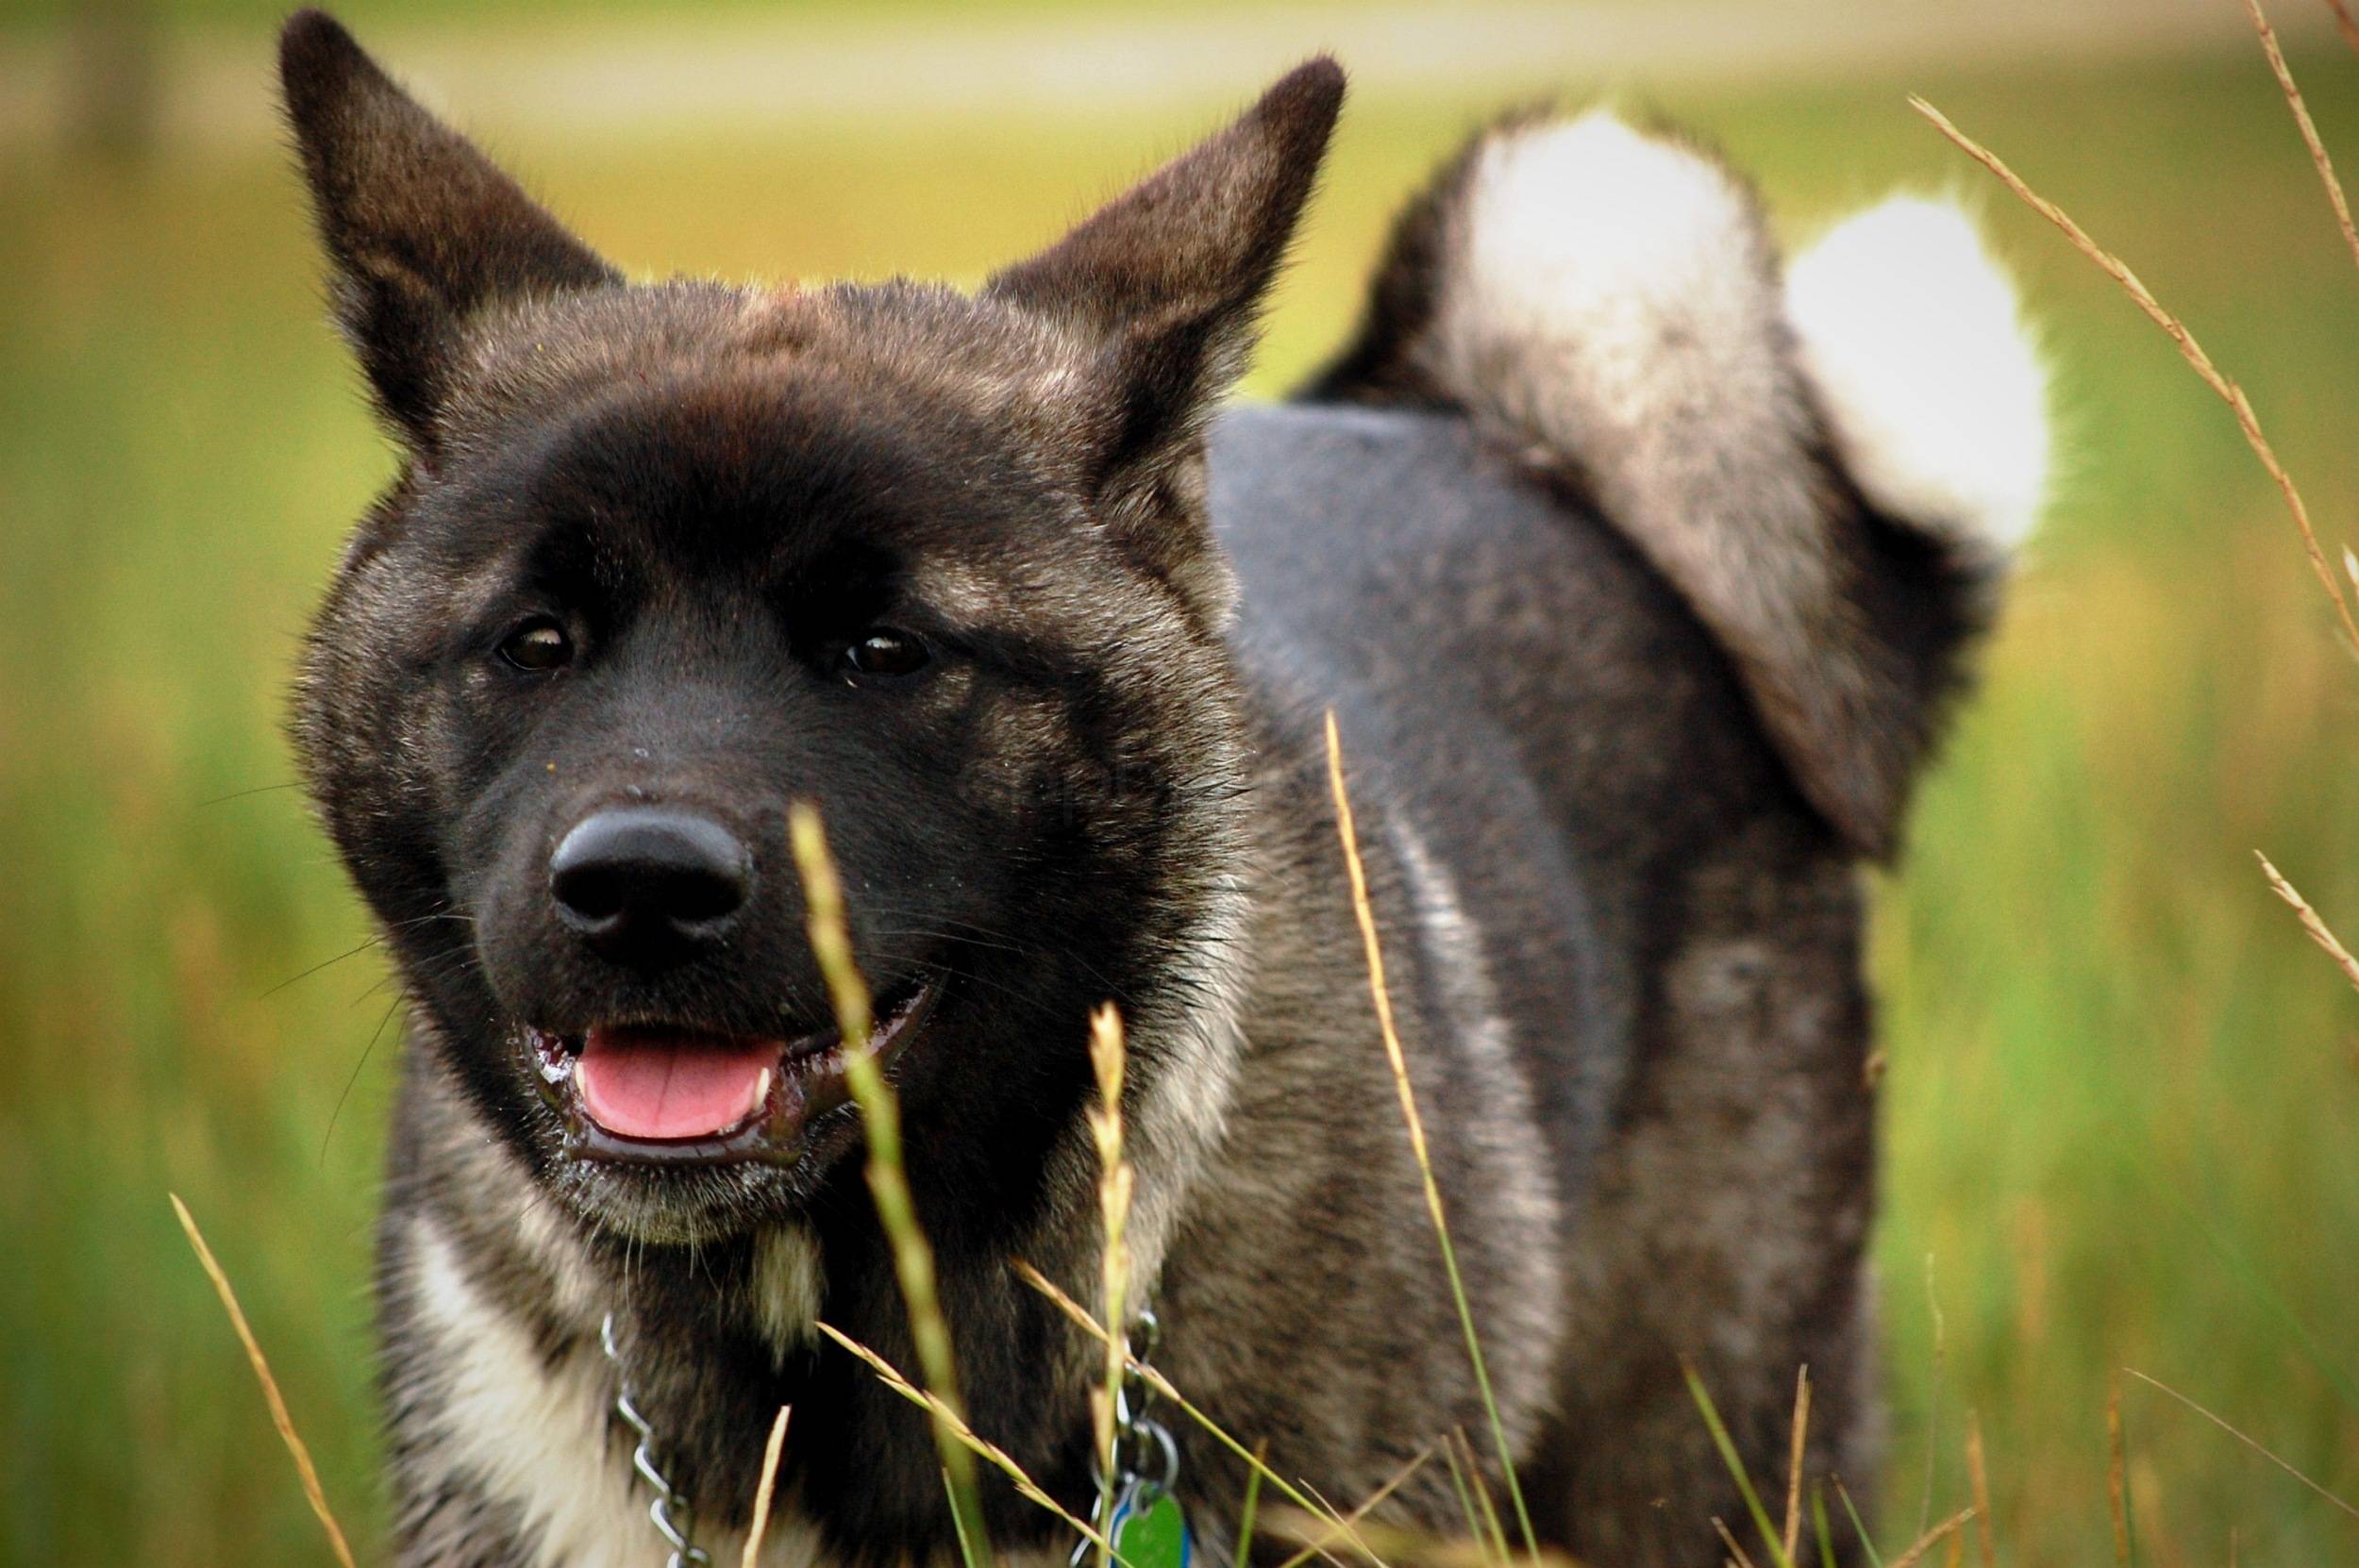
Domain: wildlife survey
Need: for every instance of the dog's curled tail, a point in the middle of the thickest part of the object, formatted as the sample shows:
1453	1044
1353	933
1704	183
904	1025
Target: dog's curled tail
1832	467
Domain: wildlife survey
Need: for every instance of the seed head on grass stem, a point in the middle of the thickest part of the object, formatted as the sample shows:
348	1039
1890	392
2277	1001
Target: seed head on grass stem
2231	394
2310	920
888	1180
2302	122
1113	1197
1365	912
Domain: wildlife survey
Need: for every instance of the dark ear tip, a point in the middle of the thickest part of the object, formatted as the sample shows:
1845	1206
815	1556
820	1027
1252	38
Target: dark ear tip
315	53
1311	95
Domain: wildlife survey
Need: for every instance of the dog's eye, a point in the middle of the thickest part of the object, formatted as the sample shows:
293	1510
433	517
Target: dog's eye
882	651
539	646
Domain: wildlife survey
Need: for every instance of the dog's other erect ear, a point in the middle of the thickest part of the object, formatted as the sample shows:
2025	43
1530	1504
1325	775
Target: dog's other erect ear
1161	286
421	228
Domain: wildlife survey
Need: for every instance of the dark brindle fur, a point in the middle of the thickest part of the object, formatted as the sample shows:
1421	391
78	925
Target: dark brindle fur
1635	638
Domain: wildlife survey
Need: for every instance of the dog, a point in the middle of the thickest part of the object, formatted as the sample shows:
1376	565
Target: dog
1639	576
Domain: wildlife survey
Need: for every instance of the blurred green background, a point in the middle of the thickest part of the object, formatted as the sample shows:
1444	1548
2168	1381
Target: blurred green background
2122	1090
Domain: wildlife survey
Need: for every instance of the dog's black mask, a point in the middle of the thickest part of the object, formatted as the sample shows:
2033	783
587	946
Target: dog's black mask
663	561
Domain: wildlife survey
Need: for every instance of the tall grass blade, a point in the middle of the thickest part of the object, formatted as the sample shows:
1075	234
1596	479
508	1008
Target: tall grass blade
1494	1531
888	1180
1818	1526
1735	1463
1859	1526
1482	1524
313	1491
1365	912
1251	1505
957	1524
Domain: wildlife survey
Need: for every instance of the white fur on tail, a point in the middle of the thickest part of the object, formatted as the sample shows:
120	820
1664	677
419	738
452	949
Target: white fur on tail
1931	382
1611	302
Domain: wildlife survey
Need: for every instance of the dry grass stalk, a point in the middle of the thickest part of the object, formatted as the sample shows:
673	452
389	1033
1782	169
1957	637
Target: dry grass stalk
2345	22
1432	1551
2309	918
1365	912
1736	1553
2118	1473
2240	1437
1483	1518
1980	1474
313	1491
770	1452
1339	1528
2189	349
888	1181
1935	1537
1163	1388
990	1453
1794	1469
2309	128
1113	1194
1932	1403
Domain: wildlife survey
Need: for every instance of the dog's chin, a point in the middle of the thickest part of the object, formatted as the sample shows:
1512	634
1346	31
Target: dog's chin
670	1134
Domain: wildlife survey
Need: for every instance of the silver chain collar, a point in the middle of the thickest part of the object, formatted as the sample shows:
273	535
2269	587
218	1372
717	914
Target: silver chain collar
673	1518
1145	1456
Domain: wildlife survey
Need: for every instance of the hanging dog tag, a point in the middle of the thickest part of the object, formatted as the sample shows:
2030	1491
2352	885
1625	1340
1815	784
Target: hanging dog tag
1149	1529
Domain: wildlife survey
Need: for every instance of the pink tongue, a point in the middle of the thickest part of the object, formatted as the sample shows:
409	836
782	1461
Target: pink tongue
648	1085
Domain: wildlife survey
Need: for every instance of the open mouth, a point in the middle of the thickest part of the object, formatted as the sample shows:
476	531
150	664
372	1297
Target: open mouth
658	1094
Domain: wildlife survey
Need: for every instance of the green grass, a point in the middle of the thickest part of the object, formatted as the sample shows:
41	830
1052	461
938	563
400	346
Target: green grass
2122	1087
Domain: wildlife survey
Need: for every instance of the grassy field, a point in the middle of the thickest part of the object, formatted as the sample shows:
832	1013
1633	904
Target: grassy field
2122	1090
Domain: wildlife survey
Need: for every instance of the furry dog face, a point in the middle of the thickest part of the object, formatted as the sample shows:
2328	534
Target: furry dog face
663	560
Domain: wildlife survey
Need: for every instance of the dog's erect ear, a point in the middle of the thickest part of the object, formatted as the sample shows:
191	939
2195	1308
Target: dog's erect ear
420	228
1163	284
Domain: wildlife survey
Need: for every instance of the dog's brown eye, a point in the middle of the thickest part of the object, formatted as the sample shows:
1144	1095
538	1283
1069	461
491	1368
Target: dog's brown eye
538	645
885	652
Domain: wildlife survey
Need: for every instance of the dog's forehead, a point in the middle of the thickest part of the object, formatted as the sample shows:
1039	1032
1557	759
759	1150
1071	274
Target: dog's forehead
908	345
690	430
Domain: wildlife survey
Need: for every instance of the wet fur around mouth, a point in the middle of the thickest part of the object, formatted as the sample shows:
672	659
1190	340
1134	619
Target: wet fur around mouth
1638	621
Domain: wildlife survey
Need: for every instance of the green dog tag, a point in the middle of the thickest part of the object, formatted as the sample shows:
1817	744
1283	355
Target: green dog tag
1150	1530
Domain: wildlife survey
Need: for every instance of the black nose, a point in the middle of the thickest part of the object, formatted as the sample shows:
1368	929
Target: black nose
645	884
